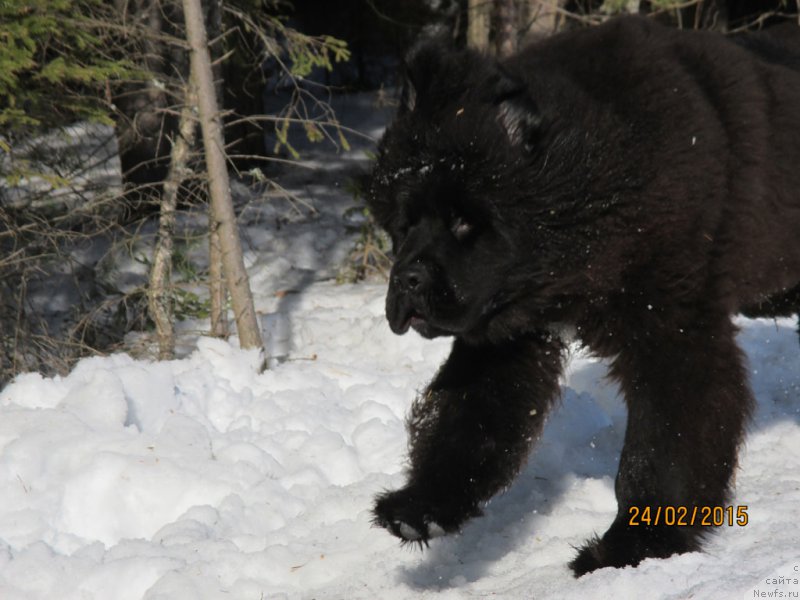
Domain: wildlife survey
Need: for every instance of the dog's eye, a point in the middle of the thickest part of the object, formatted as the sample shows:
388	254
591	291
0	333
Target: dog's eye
461	228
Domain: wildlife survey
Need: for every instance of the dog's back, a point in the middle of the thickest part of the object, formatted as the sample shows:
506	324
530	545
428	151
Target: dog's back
779	45
709	128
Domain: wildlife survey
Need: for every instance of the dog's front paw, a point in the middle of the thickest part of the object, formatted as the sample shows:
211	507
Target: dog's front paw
415	518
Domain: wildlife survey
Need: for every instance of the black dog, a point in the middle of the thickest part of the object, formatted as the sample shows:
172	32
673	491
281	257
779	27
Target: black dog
634	184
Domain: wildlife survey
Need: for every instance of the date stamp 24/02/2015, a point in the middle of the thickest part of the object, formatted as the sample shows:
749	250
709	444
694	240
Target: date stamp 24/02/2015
688	516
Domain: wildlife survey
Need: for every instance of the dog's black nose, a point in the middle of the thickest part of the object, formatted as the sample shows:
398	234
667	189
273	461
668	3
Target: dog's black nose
412	279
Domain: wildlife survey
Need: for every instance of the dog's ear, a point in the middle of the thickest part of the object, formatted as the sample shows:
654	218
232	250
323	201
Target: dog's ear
517	112
408	93
436	75
420	69
433	73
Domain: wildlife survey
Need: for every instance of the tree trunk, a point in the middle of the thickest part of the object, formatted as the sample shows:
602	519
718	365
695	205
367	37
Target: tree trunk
216	285
505	27
219	185
479	14
159	297
141	132
216	282
541	18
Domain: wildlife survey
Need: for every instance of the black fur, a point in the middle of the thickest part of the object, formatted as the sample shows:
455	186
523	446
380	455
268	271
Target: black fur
635	184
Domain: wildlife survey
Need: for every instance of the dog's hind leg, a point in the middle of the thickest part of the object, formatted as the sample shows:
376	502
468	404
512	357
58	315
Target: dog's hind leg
688	404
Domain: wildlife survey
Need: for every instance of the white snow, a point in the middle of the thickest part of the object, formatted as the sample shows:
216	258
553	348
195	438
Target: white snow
201	479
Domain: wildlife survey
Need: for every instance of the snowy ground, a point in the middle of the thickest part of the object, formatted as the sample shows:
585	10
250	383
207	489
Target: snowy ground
201	479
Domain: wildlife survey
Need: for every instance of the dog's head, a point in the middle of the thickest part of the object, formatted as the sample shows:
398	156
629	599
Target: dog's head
444	189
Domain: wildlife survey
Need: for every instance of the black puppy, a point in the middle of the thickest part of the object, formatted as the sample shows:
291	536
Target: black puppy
633	184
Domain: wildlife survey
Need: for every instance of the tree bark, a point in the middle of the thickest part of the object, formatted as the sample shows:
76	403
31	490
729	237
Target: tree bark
219	185
141	132
159	297
540	18
218	293
216	284
479	14
505	27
